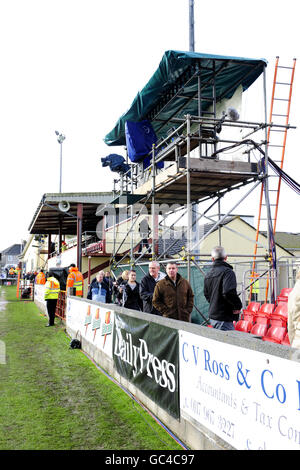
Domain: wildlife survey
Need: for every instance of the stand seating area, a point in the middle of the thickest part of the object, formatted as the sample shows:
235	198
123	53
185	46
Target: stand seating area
267	321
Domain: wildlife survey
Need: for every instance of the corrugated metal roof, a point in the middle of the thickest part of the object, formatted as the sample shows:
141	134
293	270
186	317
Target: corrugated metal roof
48	218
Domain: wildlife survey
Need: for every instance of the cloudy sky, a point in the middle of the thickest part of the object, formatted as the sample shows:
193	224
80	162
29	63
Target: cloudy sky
76	65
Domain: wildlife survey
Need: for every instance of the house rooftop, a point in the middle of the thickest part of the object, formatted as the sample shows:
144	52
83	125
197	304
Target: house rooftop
12	250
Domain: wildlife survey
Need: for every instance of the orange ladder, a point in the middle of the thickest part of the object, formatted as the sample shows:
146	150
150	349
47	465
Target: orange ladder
280	146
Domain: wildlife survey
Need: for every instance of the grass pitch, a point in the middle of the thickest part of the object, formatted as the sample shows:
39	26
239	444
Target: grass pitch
54	398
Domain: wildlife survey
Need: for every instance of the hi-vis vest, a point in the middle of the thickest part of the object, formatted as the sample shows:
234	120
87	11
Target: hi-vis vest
52	288
255	287
40	278
75	279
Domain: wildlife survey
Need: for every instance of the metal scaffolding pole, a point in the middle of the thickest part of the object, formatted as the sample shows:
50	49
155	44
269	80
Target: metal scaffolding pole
131	233
188	197
226	215
153	202
133	222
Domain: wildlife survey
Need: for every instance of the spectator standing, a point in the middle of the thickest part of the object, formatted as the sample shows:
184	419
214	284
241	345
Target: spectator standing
118	287
75	280
173	296
255	287
11	272
108	279
131	293
52	289
220	292
40	278
147	287
99	289
145	232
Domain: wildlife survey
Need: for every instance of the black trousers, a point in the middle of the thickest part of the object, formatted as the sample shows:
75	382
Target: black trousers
51	307
144	243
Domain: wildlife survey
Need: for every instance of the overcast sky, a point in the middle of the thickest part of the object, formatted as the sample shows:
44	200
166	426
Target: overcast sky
76	65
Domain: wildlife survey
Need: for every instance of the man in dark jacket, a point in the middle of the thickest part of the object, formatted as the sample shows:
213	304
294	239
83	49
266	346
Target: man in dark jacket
220	292
147	287
173	296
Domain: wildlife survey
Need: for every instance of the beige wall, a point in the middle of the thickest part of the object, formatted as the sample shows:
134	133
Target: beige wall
32	255
243	243
121	231
240	243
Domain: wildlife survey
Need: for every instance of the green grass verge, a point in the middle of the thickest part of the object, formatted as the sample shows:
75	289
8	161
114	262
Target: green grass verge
53	397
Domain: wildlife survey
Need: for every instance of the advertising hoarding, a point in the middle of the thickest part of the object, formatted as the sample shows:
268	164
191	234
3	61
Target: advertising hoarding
249	399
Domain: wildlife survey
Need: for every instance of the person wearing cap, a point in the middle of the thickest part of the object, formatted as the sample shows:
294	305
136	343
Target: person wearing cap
220	292
75	280
52	289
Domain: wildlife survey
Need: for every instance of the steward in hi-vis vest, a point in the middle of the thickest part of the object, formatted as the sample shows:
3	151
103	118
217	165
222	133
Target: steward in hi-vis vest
52	289
40	278
255	288
75	280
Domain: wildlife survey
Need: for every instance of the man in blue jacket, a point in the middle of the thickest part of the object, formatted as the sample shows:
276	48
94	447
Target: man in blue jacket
99	289
220	292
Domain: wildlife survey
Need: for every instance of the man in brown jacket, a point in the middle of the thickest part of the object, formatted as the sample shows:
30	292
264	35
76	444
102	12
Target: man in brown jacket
173	296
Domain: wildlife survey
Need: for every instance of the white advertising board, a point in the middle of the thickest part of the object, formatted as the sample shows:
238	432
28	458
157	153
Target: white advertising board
94	323
39	293
249	399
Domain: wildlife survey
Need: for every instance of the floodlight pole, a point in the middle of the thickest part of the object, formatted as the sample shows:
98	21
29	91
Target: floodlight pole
60	139
192	211
60	168
191	26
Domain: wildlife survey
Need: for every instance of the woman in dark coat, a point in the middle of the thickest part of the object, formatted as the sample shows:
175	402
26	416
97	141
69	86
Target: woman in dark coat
131	293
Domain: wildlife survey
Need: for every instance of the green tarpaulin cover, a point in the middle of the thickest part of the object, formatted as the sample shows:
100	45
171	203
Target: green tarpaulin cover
170	91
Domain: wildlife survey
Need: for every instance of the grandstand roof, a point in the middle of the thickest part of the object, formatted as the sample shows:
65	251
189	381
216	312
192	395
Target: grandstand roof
173	89
48	218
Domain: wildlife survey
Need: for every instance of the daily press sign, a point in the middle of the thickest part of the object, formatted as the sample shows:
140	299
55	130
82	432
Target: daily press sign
146	354
250	399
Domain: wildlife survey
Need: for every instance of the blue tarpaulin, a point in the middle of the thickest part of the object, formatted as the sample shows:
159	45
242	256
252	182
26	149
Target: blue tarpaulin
140	137
116	163
170	91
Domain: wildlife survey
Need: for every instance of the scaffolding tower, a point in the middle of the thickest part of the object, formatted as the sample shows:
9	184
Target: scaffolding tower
188	103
